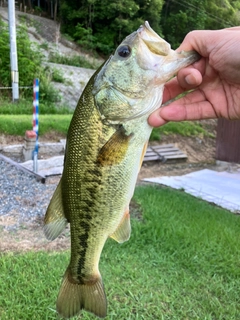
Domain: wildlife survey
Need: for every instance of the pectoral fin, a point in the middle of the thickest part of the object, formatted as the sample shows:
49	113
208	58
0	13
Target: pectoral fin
115	148
123	231
55	220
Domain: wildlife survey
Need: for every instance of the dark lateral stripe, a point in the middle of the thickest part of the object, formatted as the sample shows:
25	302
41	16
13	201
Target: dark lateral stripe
83	244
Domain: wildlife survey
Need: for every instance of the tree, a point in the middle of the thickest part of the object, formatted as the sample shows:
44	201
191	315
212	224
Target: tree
180	17
151	11
221	14
102	25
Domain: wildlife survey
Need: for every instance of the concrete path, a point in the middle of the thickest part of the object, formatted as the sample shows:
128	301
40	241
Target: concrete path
221	188
47	167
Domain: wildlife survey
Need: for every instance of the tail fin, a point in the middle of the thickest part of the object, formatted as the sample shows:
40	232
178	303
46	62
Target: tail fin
73	297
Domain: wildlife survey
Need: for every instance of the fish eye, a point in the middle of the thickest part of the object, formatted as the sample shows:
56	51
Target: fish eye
124	51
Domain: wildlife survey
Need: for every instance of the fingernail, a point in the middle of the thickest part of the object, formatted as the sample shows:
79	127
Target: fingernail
189	79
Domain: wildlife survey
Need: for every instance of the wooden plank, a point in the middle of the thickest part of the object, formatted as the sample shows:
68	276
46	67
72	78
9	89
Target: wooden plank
179	156
164	149
164	152
20	167
171	152
167	146
151	158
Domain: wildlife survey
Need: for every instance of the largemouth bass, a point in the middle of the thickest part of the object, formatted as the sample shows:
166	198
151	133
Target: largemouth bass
106	143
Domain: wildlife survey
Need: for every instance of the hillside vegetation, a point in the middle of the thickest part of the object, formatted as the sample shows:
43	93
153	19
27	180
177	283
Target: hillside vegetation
33	63
101	24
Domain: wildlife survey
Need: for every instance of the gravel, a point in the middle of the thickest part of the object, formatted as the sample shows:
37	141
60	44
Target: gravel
22	197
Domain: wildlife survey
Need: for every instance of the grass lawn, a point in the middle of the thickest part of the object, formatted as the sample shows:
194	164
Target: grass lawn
18	124
184	128
15	119
182	262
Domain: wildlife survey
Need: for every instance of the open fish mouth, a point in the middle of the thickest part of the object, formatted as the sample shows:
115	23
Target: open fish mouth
153	41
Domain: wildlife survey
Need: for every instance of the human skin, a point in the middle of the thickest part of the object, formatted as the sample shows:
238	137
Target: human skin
215	79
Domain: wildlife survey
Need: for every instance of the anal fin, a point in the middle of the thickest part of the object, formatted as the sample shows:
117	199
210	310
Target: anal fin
55	220
123	231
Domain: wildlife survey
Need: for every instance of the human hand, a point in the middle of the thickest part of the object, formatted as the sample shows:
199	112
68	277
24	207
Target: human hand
215	79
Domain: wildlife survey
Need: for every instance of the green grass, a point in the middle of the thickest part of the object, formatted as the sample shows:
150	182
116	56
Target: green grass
182	262
56	122
75	60
186	129
25	107
18	124
15	120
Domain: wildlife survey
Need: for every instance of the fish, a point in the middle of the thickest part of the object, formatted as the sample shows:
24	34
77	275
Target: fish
106	143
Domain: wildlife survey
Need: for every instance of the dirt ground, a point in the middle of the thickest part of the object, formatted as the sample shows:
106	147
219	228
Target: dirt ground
200	152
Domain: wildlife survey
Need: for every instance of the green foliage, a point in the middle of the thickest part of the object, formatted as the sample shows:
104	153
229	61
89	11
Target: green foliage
84	37
101	25
74	60
181	262
4	55
57	75
29	65
221	14
29	60
180	17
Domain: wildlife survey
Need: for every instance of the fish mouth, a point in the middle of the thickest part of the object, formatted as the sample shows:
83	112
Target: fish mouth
159	56
153	41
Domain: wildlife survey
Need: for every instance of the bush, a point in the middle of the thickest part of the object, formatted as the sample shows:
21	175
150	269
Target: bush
73	60
29	65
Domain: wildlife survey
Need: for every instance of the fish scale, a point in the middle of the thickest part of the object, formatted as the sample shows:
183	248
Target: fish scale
106	143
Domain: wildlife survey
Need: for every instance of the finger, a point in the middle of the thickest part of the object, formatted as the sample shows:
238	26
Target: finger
171	90
193	106
155	120
192	97
187	79
196	111
199	40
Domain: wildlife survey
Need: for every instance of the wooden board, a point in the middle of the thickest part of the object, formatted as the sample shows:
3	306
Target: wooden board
20	167
164	153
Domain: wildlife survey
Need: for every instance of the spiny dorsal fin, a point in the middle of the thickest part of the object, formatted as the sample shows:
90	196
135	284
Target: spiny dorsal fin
55	220
115	148
73	297
123	231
